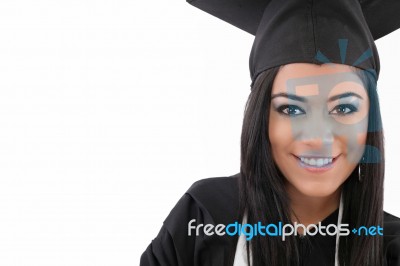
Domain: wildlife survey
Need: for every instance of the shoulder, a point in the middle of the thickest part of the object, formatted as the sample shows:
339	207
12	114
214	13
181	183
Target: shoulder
209	200
391	224
219	196
391	232
181	240
215	188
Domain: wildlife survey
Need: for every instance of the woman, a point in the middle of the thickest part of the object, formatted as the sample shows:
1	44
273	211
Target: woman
302	130
311	149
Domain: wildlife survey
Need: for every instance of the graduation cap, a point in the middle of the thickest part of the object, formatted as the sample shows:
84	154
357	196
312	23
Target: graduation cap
309	31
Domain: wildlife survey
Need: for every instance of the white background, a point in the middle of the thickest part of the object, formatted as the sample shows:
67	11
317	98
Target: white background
110	110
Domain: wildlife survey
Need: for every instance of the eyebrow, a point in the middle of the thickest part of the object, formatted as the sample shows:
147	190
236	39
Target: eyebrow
289	96
303	99
344	95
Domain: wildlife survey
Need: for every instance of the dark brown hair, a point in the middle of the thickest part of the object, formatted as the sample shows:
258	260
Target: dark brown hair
264	199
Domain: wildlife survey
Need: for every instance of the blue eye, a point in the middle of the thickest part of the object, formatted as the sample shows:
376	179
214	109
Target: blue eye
344	109
290	110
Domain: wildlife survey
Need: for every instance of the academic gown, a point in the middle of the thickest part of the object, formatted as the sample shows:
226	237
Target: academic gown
215	201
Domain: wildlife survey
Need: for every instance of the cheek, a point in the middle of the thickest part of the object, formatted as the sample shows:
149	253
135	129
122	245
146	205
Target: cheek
357	149
362	139
354	146
280	132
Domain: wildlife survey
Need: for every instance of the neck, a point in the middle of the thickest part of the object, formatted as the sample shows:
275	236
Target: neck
311	210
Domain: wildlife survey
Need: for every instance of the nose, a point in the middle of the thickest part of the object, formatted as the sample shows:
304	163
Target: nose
316	143
315	132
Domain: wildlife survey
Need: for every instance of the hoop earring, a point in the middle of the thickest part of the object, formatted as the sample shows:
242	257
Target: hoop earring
359	169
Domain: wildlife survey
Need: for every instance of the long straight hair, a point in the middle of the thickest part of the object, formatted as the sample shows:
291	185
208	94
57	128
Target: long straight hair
263	197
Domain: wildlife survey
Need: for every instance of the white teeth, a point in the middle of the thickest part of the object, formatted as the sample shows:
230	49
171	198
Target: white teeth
318	162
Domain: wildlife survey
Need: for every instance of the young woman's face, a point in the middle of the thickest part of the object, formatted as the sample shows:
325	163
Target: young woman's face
317	125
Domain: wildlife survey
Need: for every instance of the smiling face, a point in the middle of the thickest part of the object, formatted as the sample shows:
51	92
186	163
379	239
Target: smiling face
317	125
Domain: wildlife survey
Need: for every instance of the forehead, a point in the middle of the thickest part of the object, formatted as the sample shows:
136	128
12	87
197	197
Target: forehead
310	79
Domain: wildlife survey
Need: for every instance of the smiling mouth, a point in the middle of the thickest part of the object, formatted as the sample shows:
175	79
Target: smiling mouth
316	162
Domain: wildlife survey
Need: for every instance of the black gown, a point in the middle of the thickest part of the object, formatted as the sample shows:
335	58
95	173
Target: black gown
215	201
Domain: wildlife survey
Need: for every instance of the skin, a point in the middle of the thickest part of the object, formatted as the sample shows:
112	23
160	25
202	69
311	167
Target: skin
317	127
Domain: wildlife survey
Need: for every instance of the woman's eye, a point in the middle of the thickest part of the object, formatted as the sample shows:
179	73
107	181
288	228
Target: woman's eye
291	110
343	109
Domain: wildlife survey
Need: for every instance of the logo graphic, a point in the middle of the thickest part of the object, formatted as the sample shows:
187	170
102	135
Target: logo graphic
322	122
279	230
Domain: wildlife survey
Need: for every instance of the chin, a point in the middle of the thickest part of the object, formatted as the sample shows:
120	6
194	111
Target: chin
317	191
315	188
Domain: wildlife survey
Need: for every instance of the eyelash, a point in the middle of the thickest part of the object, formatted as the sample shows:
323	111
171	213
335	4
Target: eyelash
290	108
281	109
351	107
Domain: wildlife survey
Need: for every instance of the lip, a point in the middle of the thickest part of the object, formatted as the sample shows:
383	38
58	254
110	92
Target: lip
316	169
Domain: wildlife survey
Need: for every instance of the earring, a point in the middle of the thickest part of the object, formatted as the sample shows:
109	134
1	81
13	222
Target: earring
359	169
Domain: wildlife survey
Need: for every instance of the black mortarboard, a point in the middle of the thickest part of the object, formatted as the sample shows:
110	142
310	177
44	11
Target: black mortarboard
309	31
